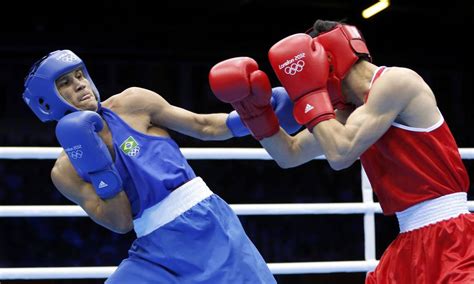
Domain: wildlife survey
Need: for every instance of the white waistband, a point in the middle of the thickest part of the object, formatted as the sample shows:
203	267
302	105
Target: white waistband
432	211
176	203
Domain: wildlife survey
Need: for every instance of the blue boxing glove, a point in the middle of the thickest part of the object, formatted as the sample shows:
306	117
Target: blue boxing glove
77	134
283	107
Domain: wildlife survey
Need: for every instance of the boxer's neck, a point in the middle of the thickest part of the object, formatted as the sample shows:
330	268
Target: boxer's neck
356	84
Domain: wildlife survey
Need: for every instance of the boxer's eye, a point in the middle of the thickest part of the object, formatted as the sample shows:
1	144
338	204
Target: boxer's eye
79	74
63	82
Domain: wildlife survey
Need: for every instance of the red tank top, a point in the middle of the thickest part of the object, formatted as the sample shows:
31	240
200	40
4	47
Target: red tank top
409	165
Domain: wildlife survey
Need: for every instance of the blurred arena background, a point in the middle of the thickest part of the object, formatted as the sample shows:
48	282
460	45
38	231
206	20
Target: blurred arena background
169	47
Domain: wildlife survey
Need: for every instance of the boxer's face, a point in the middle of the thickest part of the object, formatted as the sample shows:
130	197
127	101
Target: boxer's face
76	89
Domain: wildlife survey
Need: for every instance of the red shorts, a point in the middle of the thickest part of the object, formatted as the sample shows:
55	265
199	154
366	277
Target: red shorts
440	253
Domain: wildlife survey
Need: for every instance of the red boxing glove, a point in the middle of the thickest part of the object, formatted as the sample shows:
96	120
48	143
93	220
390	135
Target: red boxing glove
302	67
239	82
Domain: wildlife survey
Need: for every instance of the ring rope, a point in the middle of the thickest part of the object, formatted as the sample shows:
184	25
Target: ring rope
189	153
239	209
368	207
106	271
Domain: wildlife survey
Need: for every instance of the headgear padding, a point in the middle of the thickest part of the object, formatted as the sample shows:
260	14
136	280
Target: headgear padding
344	45
41	94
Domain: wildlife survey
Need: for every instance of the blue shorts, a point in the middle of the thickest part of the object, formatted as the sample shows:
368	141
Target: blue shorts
204	244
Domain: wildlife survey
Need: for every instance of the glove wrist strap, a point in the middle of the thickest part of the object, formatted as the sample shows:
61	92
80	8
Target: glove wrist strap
313	108
107	182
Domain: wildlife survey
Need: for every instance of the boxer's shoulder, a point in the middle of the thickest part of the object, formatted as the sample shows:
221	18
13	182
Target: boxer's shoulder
397	79
399	74
125	96
133	99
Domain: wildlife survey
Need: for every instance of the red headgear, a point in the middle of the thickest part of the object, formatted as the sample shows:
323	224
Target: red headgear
344	45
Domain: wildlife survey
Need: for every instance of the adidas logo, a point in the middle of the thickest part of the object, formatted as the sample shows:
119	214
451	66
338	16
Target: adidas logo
102	184
308	108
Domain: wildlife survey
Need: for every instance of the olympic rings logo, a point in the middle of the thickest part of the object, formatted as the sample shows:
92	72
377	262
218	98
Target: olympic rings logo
68	57
77	154
134	151
294	68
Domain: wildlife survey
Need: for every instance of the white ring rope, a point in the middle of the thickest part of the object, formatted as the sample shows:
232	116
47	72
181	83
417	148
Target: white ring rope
189	153
367	207
105	271
240	209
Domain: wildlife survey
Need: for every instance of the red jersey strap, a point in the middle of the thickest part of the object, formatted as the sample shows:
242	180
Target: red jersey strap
378	72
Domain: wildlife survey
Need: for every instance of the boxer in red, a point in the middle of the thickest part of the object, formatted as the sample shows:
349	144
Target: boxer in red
387	117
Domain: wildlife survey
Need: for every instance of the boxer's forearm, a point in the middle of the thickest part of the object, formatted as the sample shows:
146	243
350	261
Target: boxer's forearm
213	127
334	142
114	213
290	151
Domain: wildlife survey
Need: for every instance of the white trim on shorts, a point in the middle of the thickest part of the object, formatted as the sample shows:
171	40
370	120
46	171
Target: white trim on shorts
176	203
432	211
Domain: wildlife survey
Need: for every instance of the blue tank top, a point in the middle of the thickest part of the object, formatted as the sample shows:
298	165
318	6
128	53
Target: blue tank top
150	166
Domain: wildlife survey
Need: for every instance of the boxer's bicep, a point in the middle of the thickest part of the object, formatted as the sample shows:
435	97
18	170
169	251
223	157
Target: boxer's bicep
201	126
165	115
365	127
68	182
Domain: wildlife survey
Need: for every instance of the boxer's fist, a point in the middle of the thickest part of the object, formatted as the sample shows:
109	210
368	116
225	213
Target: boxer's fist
238	81
77	134
302	67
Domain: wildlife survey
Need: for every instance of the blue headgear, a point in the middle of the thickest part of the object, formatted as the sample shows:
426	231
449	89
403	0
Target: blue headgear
41	94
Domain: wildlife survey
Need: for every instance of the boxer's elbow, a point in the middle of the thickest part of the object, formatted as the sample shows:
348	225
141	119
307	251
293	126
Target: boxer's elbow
284	164
337	166
338	162
123	228
122	223
119	225
287	162
118	219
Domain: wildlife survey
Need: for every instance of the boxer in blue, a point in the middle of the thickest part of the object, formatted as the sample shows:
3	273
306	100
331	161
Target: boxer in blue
121	166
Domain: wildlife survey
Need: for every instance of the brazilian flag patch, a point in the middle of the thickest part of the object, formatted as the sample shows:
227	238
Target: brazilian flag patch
130	147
